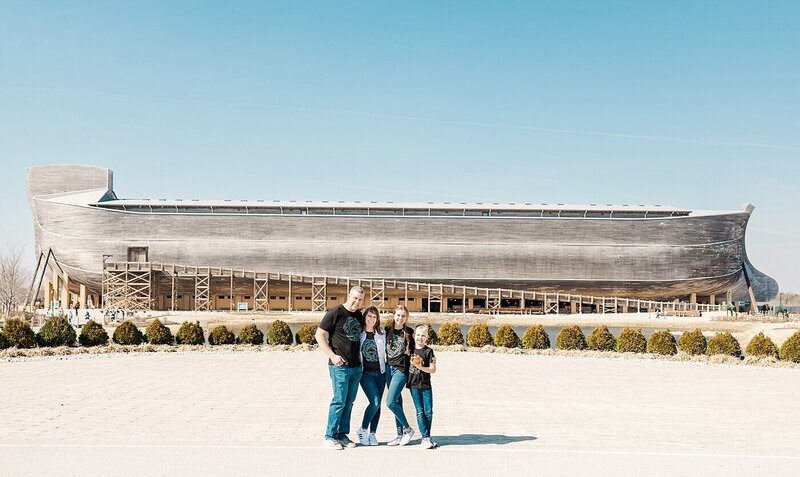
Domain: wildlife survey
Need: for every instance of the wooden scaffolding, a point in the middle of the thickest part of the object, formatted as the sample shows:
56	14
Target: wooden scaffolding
127	287
136	285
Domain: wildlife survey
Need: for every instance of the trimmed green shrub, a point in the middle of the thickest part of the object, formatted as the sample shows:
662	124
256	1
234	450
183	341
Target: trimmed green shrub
305	335
790	349
479	335
279	333
535	337
93	334
506	337
631	341
19	333
3	341
250	334
662	342
56	332
762	345
450	334
127	334
724	343
433	338
692	342
571	337
190	334
600	339
220	335
158	334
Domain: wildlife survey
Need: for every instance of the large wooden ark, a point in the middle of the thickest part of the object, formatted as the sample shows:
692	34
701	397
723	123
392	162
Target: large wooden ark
646	252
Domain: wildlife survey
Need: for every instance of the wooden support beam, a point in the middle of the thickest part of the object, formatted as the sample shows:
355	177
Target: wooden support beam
261	292
48	292
202	291
319	294
291	298
65	291
377	294
172	290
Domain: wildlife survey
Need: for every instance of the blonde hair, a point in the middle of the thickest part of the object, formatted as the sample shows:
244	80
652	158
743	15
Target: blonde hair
406	334
401	307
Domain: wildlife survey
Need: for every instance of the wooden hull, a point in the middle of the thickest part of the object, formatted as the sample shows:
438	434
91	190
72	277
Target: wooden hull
649	258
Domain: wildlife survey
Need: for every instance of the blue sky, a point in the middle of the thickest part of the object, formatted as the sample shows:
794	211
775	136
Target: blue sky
692	104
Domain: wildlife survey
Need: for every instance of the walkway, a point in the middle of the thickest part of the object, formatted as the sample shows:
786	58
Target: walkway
263	414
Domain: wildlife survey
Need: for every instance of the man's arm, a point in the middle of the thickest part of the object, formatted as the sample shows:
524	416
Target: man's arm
322	340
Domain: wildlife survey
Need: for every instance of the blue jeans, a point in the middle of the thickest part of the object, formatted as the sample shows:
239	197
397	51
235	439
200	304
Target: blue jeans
372	382
423	401
396	381
345	386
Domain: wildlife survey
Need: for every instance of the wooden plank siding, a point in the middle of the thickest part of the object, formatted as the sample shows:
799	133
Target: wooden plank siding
660	258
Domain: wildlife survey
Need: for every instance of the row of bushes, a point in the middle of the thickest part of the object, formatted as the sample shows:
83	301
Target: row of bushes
58	332
629	341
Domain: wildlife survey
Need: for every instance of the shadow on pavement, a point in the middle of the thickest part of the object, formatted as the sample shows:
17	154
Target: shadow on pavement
480	439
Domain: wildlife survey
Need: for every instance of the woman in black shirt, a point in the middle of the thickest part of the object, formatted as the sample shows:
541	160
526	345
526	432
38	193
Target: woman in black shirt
399	343
373	379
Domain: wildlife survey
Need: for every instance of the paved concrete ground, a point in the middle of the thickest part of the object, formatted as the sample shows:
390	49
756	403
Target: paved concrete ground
264	414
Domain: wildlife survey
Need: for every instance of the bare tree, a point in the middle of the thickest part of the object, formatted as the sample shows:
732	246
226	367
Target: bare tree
14	278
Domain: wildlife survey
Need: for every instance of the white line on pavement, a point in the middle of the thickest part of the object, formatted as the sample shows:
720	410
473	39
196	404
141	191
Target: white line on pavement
448	448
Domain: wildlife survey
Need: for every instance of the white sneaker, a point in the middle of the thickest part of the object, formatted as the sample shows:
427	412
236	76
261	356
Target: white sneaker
426	443
407	435
363	436
373	441
332	444
347	442
395	441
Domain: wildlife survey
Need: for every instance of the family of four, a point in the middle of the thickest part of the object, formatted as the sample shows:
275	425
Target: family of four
361	352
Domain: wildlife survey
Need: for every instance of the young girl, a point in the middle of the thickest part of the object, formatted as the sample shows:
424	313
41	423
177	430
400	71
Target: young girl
373	379
399	343
423	364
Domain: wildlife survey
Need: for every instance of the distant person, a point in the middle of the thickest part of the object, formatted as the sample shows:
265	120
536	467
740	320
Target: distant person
399	343
423	364
373	378
339	337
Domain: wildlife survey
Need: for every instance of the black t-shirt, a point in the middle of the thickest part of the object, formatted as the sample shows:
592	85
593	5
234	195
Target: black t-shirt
396	343
369	352
344	333
417	378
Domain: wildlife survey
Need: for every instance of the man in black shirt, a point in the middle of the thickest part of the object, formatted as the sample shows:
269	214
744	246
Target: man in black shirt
339	337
